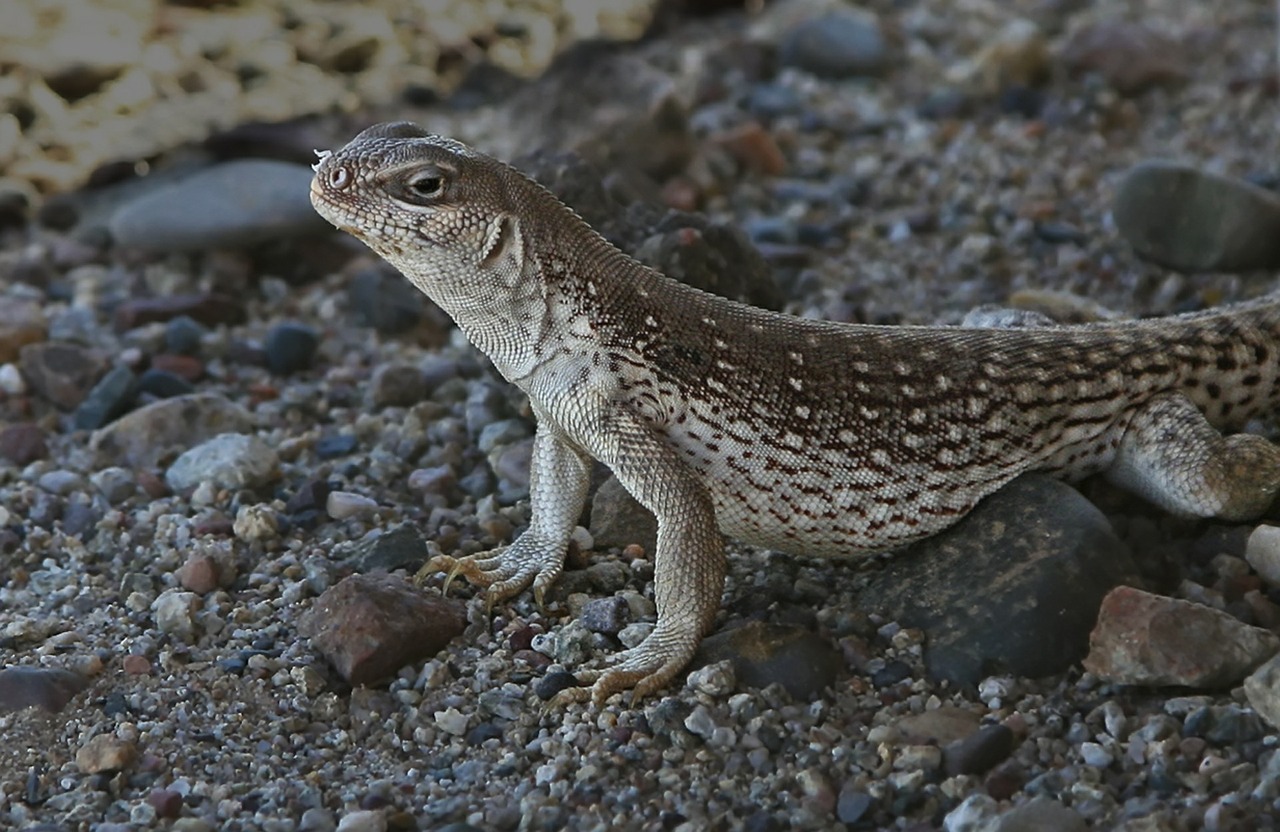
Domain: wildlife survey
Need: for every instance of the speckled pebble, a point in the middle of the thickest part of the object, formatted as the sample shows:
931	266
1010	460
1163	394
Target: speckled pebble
231	460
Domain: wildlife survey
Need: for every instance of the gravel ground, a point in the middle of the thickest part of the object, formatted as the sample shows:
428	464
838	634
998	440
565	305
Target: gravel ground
205	428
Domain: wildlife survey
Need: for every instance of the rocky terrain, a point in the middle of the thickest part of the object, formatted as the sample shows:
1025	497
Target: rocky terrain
228	436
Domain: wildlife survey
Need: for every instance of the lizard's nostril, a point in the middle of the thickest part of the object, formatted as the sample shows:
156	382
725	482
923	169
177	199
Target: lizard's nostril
339	178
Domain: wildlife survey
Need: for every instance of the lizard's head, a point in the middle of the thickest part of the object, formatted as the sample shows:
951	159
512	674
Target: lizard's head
430	205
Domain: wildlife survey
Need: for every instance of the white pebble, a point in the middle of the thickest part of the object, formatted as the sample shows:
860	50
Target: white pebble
1263	553
255	523
364	820
452	721
1095	755
11	380
344	504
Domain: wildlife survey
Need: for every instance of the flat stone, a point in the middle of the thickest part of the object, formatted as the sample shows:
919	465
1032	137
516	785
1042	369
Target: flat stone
369	626
105	753
60	372
234	204
208	308
1147	639
144	437
836	45
109	399
229	460
1186	218
403	547
803	663
43	687
1014	587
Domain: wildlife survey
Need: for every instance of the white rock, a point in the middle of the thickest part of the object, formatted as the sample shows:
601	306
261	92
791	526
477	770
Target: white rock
175	613
11	380
256	523
1263	553
344	504
364	820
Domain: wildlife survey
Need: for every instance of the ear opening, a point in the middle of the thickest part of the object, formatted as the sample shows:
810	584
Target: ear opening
502	243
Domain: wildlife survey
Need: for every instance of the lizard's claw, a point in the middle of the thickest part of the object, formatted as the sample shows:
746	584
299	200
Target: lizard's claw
645	668
503	572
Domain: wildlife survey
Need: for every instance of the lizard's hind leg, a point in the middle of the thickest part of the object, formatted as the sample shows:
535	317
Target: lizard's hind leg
1172	456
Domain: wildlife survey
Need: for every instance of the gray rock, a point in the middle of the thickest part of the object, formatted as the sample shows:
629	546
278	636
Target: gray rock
1262	688
61	372
144	437
1189	219
1015	586
45	687
108	399
1039	814
617	520
836	45
397	385
1146	639
238	203
231	460
606	615
61	482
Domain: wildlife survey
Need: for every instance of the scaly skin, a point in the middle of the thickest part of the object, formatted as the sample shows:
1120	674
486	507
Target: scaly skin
802	436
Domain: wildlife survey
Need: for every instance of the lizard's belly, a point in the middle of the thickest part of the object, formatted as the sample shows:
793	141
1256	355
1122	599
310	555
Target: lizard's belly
833	504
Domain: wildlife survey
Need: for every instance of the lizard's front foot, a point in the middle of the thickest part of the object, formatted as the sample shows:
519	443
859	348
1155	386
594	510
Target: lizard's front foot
645	668
505	572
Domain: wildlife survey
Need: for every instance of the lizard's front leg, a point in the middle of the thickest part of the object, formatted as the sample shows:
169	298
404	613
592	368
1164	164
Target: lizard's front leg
689	565
559	474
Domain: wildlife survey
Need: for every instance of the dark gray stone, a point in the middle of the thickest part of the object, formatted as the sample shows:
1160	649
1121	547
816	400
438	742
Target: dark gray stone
1188	219
290	347
109	399
164	385
1014	587
763	654
238	203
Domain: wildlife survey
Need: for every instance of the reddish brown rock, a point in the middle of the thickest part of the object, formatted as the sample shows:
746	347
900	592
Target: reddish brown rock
209	309
22	443
1131	57
755	148
135	665
369	626
22	322
184	366
1146	639
106	753
200	574
62	373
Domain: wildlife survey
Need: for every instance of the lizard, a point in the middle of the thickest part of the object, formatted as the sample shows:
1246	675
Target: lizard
802	436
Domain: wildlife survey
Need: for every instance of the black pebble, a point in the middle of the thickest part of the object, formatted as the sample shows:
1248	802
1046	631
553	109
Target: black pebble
290	347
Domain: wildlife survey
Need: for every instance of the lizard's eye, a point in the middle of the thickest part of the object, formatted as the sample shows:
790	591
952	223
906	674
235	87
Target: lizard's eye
425	185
